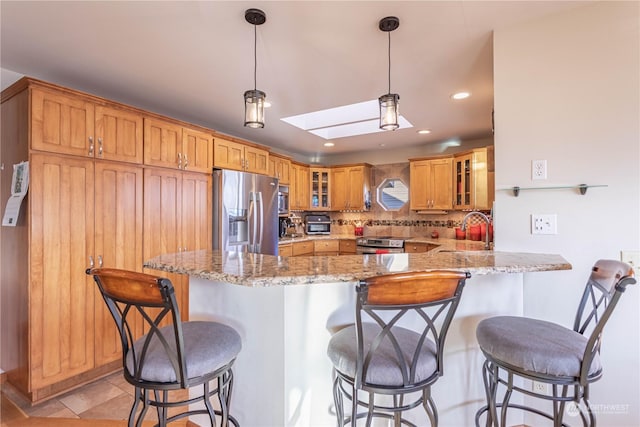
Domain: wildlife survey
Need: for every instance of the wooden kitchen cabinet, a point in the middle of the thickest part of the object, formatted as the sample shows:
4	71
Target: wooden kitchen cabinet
418	247
285	250
72	124
302	248
177	217
473	179
430	186
347	247
171	145
351	187
326	247
299	187
234	155
319	189
280	167
83	213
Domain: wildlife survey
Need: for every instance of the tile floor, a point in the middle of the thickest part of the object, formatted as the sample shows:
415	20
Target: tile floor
109	398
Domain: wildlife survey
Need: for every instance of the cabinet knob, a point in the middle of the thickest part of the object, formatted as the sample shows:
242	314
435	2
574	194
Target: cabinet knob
179	160
186	162
100	147
91	146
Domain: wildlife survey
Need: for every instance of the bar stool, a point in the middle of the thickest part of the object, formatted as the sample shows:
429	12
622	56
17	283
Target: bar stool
536	350
172	355
378	356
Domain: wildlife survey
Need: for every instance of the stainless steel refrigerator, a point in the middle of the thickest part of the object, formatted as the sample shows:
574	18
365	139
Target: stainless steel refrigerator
245	212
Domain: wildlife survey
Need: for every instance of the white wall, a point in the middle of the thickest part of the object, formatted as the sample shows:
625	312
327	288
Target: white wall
567	90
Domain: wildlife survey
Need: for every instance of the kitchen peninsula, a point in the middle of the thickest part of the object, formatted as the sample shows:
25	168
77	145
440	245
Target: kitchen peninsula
285	307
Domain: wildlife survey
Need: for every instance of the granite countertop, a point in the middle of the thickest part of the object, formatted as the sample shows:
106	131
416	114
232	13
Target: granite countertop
259	270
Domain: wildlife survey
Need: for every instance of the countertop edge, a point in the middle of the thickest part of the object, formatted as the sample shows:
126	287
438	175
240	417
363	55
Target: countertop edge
257	270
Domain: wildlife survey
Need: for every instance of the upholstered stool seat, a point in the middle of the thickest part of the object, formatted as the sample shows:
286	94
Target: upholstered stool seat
384	368
208	346
535	346
521	350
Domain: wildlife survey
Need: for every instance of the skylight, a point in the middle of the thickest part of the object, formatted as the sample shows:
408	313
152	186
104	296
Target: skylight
340	122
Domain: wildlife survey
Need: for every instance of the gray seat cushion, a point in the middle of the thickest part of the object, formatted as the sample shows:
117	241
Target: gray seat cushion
207	346
534	345
384	368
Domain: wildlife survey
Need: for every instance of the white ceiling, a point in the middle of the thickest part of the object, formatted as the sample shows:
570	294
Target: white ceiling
194	60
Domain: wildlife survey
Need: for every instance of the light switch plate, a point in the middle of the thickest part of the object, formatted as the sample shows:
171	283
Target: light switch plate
544	224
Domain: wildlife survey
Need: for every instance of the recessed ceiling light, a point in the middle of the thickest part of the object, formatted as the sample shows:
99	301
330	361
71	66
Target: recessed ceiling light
424	131
381	145
329	144
461	95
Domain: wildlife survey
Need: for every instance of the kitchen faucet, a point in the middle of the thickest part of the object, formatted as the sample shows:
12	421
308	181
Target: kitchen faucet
486	233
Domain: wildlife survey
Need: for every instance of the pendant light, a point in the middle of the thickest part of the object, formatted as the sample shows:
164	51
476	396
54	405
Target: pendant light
389	103
254	99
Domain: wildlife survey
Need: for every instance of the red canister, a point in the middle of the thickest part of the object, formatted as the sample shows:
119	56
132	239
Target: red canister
474	232
460	235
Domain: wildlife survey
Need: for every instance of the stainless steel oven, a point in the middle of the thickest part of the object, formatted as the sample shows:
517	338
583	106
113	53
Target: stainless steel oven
379	245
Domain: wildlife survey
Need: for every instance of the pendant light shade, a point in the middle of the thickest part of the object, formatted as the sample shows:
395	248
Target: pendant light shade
254	108
389	103
254	99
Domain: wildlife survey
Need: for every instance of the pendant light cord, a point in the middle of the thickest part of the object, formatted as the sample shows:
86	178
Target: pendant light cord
255	57
389	34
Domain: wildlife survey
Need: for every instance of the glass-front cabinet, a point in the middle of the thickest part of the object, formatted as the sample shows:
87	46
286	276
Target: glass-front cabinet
473	179
320	187
462	184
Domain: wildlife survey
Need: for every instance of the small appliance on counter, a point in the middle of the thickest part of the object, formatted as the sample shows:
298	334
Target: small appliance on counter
318	224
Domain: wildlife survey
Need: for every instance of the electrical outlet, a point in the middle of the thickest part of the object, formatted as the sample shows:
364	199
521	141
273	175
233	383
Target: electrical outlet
632	258
538	169
544	224
539	387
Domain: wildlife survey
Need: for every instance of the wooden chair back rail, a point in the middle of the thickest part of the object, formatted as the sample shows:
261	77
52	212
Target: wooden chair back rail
414	288
133	288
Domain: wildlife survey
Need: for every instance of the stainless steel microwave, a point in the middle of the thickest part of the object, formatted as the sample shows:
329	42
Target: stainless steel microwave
283	200
318	224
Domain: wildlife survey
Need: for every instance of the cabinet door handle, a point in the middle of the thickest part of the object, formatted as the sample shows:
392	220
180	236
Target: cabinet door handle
179	160
90	146
91	263
186	162
100	261
100	147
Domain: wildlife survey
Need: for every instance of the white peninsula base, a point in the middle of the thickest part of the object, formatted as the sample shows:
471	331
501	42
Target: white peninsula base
283	375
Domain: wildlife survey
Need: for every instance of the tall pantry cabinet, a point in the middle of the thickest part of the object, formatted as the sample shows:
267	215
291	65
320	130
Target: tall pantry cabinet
85	207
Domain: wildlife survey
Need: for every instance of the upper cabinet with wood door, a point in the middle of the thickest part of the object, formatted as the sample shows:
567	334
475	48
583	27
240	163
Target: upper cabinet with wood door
171	145
430	184
299	187
280	167
351	187
473	179
73	124
237	156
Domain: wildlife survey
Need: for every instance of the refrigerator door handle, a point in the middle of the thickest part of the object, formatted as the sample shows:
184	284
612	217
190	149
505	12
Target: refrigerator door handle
253	215
260	204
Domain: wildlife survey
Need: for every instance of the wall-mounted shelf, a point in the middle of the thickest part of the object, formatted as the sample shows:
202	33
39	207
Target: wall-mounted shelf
582	188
